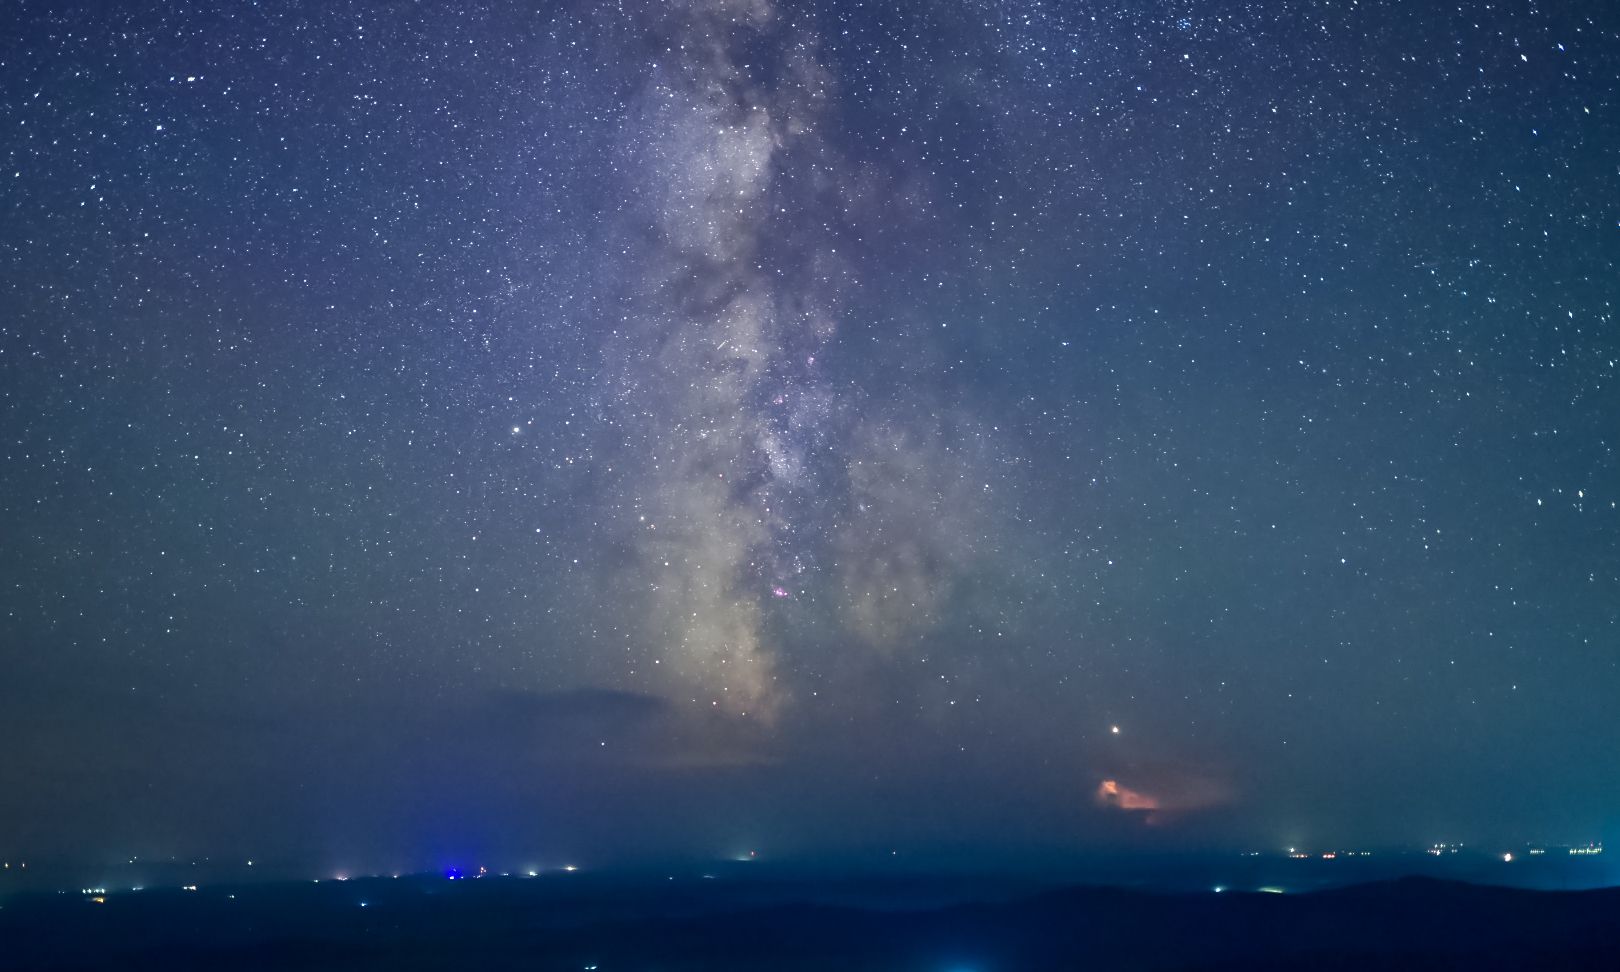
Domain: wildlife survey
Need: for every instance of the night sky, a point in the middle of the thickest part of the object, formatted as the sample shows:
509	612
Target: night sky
618	431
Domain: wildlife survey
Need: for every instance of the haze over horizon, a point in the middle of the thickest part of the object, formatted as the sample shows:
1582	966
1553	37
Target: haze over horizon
620	432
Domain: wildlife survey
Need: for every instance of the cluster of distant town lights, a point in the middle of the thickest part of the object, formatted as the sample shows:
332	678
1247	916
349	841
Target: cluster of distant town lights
99	894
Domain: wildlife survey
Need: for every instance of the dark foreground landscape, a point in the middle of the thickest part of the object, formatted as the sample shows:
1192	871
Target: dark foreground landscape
591	922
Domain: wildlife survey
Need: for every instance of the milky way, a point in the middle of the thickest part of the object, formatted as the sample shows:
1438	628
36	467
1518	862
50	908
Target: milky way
754	481
721	355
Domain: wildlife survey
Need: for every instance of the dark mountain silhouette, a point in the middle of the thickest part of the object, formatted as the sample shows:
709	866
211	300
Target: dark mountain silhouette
735	924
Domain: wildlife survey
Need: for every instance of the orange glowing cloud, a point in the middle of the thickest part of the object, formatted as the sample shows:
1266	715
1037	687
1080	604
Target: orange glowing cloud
1111	794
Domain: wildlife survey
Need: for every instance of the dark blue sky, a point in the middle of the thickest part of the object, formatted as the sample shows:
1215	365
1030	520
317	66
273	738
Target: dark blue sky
657	429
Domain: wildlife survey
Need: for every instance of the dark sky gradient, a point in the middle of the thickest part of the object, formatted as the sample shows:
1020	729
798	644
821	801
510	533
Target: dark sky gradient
611	431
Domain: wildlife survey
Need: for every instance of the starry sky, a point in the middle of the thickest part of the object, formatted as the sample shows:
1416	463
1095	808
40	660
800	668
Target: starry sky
624	430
